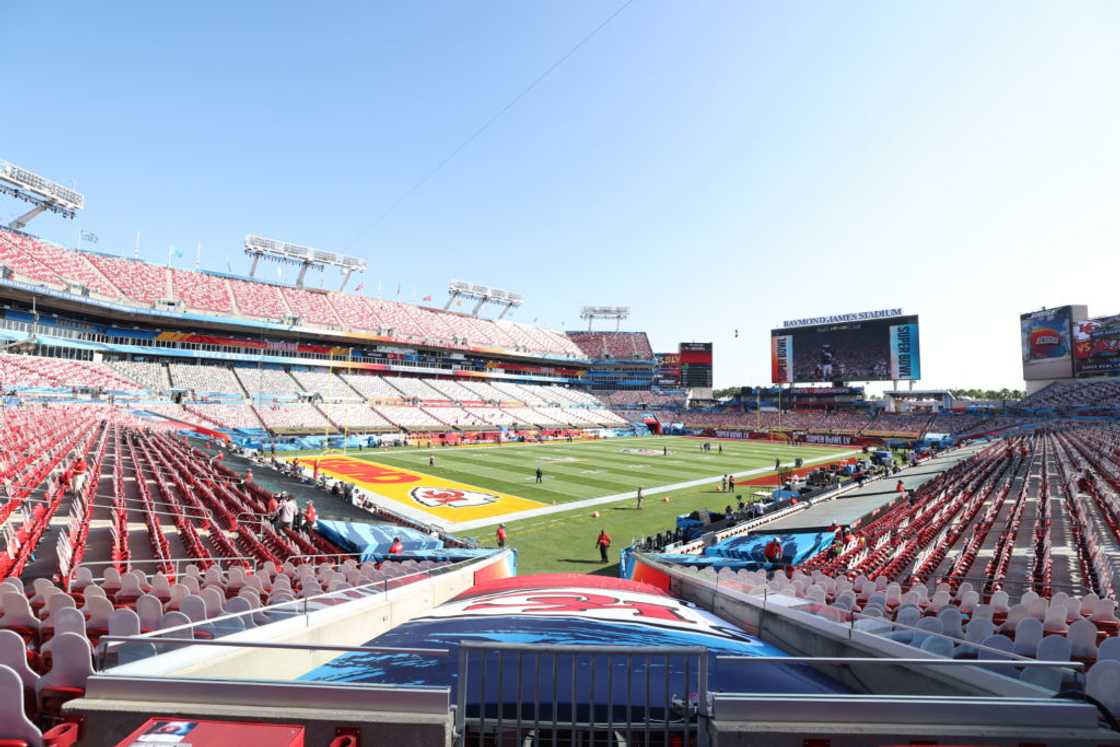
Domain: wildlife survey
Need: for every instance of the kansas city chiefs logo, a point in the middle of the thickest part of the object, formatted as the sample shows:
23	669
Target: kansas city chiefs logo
451	497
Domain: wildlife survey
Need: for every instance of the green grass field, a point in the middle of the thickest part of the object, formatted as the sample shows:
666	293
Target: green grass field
564	541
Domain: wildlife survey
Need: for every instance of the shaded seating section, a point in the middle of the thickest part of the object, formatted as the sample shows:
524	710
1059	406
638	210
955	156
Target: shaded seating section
264	381
295	416
328	385
200	379
225	416
355	416
372	386
151	376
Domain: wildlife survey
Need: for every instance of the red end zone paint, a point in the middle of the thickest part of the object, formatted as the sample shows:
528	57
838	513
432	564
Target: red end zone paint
364	471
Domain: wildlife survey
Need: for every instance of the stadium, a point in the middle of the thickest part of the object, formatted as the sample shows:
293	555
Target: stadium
339	476
241	508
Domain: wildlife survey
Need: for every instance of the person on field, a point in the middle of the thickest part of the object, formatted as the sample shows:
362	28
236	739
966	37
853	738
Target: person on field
502	535
540	475
641	498
431	460
603	542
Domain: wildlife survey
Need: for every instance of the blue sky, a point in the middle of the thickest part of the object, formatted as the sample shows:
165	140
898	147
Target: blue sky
713	165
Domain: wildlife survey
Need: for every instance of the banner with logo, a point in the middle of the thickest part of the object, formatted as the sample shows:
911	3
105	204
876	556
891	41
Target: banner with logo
781	359
449	500
905	355
571	610
1046	343
1096	347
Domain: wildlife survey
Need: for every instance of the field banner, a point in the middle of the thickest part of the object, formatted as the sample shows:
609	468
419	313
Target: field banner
781	359
906	359
445	499
1096	347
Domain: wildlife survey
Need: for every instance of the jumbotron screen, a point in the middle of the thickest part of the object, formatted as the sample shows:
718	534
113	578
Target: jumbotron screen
865	350
1096	347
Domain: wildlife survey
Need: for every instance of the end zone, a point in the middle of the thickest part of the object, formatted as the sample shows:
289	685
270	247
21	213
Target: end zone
422	496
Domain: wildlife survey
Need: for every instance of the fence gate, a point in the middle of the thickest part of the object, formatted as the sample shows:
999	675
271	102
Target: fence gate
580	696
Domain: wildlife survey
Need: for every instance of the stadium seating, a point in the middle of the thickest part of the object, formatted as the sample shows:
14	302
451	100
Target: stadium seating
628	398
453	390
151	376
1076	394
355	416
273	382
911	425
201	291
139	281
624	345
458	418
262	300
410	418
294	416
486	392
311	307
225	415
372	387
414	389
326	384
19	371
528	395
203	380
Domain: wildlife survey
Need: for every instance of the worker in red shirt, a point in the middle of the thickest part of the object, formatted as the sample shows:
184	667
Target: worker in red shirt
273	506
310	516
899	487
79	474
501	535
603	542
397	547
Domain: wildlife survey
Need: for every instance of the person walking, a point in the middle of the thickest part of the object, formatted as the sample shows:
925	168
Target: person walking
501	535
540	475
80	472
641	498
731	483
431	460
723	484
603	542
721	448
288	510
310	516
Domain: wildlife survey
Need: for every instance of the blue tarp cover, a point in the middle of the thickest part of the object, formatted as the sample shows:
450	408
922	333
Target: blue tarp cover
373	540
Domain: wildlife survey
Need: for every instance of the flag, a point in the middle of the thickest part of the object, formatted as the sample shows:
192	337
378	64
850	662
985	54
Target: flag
427	298
89	236
398	290
359	288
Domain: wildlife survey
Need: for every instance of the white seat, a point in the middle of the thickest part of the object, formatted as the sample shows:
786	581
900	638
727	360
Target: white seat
13	653
1000	643
1083	639
969	602
999	602
98	611
1105	612
1028	634
17	612
65	620
83	577
14	723
950	618
1054	648
124	622
174	620
71	663
194	608
926	626
214	600
1014	615
1055	620
938	646
148	611
1103	683
56	602
1049	678
1110	648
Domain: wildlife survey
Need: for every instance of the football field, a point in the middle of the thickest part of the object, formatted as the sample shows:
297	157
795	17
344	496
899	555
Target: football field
468	490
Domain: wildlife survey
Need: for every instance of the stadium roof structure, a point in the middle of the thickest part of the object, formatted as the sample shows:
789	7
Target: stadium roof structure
303	256
42	193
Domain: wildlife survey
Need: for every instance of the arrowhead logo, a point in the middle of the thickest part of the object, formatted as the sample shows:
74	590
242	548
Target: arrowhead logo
451	497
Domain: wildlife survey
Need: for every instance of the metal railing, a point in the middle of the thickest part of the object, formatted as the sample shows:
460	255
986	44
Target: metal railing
510	693
177	562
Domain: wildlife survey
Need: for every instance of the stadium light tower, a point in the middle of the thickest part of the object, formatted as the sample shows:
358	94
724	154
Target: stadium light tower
283	252
43	194
457	289
618	313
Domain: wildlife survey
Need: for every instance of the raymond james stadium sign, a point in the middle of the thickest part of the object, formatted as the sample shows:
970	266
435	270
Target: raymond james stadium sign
859	316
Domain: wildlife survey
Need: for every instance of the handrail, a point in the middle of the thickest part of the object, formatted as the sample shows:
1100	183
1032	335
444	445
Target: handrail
281	646
938	662
295	602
